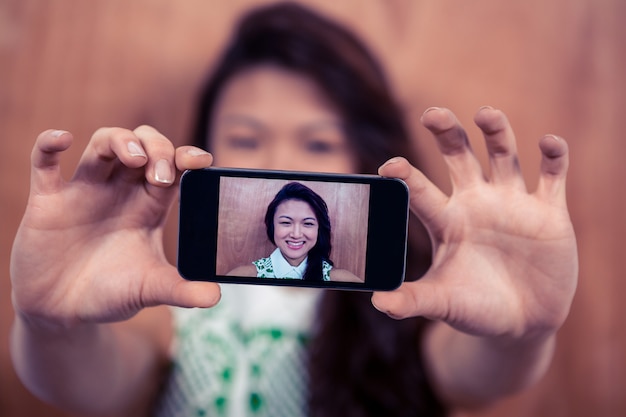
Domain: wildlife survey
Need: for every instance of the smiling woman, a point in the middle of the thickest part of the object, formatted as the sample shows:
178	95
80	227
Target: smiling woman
297	229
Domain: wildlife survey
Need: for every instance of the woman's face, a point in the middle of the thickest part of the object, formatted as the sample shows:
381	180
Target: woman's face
295	230
271	118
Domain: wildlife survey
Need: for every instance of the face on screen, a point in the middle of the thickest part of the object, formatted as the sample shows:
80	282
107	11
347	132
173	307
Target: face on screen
295	230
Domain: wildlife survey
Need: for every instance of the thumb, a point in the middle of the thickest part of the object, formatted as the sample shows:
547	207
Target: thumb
422	298
172	289
195	294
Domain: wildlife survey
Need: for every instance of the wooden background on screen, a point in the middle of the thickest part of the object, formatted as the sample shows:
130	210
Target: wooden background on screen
241	232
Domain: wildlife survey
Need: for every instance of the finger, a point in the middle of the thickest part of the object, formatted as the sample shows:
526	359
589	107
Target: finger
45	160
160	169
454	145
108	150
554	165
420	298
501	147
426	200
191	157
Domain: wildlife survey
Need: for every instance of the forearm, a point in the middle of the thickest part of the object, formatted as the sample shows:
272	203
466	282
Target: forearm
470	371
92	368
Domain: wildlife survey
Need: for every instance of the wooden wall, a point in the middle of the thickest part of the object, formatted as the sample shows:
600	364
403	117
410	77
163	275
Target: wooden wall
552	66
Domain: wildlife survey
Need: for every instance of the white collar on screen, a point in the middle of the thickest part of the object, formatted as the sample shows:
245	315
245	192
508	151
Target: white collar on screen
282	269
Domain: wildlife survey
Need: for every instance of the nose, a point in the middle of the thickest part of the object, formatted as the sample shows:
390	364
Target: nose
282	157
296	230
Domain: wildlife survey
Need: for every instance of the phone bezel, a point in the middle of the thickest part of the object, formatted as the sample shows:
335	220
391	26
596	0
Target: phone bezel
385	263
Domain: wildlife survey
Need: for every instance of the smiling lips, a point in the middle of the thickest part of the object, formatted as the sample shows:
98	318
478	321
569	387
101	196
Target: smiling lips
295	245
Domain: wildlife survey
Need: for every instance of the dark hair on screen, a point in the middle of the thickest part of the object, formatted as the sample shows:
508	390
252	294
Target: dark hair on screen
361	362
321	251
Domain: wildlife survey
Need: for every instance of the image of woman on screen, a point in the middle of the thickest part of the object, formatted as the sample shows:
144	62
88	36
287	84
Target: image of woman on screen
298	224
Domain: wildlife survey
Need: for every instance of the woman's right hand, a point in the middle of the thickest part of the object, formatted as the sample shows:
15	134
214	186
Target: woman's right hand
90	249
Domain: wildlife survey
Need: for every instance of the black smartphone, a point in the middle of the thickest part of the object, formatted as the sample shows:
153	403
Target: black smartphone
293	228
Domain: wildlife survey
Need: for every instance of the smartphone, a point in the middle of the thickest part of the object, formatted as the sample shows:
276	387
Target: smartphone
298	229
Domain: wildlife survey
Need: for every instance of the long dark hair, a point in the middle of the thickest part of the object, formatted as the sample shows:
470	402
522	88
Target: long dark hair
321	251
361	362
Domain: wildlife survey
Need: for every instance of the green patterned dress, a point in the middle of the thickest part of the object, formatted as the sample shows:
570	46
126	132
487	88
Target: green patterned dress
244	357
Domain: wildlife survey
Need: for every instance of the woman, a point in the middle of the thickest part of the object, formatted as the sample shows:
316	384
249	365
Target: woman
297	223
247	117
500	285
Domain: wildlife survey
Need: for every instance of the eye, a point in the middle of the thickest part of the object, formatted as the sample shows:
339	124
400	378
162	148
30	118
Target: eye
309	224
319	146
243	142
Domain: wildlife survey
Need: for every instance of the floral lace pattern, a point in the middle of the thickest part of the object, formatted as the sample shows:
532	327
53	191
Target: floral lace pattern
244	357
265	269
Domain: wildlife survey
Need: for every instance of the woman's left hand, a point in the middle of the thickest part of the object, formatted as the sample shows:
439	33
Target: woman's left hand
504	260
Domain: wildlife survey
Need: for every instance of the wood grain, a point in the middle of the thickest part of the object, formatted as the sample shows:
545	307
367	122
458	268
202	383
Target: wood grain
553	67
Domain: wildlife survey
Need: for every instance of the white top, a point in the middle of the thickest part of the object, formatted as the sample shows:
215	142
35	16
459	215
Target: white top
246	356
276	266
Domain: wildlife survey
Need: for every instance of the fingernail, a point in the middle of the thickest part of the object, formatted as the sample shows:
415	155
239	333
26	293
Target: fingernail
163	172
196	152
555	137
431	109
57	133
135	150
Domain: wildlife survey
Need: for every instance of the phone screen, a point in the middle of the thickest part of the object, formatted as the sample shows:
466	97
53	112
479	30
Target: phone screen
297	229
